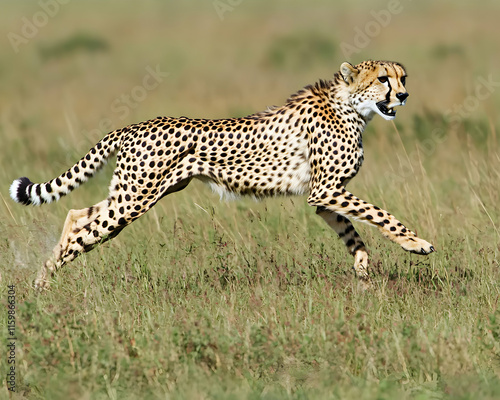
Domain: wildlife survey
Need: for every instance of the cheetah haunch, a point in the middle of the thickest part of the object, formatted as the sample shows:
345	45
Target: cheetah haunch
310	145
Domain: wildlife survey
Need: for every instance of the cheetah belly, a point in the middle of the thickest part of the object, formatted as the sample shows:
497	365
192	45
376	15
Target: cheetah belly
263	174
291	181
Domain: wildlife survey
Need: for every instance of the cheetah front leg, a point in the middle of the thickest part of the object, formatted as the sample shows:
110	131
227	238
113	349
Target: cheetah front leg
351	239
348	205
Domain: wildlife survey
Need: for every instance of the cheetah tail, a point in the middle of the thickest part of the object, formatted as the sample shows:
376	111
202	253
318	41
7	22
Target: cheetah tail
26	192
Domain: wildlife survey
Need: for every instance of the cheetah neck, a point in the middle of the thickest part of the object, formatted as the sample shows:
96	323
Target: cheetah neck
311	106
335	98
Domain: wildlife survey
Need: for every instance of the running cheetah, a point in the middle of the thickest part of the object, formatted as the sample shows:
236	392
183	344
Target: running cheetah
311	145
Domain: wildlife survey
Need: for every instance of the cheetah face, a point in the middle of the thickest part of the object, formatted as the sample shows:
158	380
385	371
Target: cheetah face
375	87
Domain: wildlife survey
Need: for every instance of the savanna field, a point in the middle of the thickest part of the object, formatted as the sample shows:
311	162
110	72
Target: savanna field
203	299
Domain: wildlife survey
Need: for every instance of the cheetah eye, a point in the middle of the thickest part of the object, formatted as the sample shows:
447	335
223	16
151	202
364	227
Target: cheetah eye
383	79
403	80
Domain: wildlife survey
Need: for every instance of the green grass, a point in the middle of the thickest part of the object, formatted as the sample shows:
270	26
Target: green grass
205	299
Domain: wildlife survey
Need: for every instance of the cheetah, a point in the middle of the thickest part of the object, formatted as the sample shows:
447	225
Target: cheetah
311	145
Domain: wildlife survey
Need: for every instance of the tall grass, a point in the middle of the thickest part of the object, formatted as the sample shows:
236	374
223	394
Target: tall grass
205	299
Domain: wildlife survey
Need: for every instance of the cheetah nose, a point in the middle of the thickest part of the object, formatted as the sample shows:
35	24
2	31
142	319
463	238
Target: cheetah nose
402	96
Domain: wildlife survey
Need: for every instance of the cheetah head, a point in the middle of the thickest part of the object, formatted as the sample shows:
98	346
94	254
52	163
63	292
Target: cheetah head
375	87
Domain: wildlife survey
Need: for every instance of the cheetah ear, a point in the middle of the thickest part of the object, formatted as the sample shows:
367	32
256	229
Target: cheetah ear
348	72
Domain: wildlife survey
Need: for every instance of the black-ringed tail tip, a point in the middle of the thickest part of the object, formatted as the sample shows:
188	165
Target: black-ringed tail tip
26	192
20	191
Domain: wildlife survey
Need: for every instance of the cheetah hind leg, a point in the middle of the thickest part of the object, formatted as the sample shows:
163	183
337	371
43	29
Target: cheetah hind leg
86	228
68	248
344	228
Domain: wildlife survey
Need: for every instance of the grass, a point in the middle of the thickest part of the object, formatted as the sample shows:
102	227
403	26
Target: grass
202	299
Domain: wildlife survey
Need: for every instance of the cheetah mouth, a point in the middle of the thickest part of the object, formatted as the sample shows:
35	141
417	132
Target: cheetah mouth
382	106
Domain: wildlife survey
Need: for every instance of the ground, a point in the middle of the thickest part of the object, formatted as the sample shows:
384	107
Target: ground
203	299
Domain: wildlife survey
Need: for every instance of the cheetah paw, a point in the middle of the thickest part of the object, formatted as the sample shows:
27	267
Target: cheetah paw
41	283
418	246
